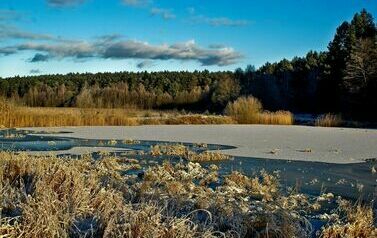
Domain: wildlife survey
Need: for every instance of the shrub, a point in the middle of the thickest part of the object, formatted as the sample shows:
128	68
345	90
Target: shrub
245	109
249	110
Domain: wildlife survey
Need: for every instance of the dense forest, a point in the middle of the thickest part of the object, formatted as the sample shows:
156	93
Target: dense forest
342	79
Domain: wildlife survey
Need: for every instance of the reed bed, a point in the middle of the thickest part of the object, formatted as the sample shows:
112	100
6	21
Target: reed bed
64	197
51	117
329	120
275	118
249	110
46	196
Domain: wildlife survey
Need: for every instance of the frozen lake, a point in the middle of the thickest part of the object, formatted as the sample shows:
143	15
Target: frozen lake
302	143
312	159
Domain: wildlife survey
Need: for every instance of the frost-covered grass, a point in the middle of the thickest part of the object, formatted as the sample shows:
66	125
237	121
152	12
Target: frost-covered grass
187	154
66	197
55	197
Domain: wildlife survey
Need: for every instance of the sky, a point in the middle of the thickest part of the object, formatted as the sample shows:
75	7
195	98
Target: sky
63	36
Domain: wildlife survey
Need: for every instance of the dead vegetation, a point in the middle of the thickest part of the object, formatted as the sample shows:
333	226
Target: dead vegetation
65	197
244	111
55	197
354	220
329	120
187	154
250	111
19	116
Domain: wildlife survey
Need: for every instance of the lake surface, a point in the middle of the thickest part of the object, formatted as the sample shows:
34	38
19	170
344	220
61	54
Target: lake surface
353	181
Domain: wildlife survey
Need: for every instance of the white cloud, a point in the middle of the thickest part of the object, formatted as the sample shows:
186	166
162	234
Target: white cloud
130	49
164	13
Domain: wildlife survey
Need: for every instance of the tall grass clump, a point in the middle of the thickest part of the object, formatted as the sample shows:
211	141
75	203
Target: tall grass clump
329	120
245	110
6	109
354	221
187	154
249	110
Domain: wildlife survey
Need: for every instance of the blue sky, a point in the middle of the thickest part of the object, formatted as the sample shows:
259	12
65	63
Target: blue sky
61	36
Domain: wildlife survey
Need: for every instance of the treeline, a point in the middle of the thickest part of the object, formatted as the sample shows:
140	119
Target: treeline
159	90
342	79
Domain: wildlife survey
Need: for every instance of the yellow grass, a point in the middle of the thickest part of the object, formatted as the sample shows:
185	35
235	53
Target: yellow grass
244	111
276	118
50	117
187	154
329	120
357	221
64	197
249	110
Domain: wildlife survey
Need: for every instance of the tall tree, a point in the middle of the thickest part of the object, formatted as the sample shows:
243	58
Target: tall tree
360	80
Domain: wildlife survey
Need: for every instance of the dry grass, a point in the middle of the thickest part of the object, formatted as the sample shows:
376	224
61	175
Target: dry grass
329	120
194	119
250	111
185	153
355	221
51	197
276	118
207	156
54	197
177	150
244	110
14	116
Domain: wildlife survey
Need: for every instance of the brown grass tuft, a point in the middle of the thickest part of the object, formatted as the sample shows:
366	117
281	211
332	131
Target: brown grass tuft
250	111
185	153
355	221
329	120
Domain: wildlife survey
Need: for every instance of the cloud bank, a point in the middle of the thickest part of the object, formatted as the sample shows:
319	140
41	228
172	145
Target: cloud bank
11	32
128	49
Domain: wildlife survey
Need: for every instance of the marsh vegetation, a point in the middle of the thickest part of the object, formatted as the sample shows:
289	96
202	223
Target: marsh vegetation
86	197
250	111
